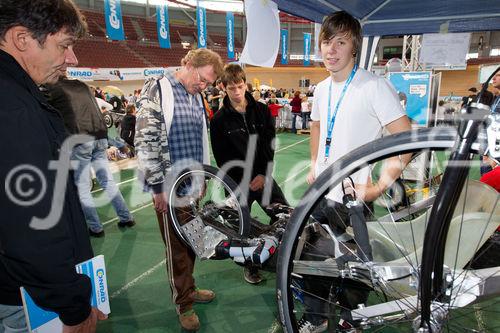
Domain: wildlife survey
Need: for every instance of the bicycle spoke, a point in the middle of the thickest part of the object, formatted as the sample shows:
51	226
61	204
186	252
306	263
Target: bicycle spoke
396	235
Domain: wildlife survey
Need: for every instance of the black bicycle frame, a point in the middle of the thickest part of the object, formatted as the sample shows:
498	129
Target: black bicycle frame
431	285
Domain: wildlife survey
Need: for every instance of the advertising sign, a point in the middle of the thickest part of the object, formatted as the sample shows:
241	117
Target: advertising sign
202	26
113	74
414	90
113	18
284	46
307	49
162	25
230	35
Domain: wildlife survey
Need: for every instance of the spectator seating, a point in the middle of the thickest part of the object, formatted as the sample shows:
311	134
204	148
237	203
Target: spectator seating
102	53
141	48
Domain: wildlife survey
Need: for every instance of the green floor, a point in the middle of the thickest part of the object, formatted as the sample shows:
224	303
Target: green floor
135	260
139	291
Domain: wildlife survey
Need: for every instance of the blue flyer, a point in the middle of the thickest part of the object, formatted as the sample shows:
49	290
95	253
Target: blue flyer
42	321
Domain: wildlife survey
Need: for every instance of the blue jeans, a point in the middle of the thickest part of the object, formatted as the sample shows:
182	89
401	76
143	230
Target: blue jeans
93	154
116	142
305	119
12	319
294	119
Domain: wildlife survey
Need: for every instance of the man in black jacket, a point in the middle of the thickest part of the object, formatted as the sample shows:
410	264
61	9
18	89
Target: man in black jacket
242	133
76	102
42	229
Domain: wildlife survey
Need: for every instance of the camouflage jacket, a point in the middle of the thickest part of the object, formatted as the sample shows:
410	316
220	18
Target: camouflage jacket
153	121
151	142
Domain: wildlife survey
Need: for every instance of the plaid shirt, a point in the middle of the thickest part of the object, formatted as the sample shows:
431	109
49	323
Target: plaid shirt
186	132
156	152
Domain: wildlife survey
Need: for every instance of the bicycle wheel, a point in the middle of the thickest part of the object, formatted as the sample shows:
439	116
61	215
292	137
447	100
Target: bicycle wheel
325	280
205	208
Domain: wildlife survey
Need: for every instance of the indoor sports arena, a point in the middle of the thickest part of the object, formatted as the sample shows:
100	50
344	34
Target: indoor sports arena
249	166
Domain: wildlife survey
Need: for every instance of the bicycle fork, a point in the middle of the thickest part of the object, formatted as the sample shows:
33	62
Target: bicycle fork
431	275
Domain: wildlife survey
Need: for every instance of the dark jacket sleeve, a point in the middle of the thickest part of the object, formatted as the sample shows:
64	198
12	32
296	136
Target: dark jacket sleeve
217	139
265	149
60	101
43	261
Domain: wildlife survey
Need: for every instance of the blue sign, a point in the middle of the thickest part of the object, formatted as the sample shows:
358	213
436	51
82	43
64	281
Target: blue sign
230	35
202	26
307	48
113	18
162	25
414	93
284	46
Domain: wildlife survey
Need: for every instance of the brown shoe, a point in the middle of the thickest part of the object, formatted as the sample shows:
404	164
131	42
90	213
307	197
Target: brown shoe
189	321
251	275
203	296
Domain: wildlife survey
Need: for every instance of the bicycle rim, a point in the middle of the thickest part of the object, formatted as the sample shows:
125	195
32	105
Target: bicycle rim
313	288
207	196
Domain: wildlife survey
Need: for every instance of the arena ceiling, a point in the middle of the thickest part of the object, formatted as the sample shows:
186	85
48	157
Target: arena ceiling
404	17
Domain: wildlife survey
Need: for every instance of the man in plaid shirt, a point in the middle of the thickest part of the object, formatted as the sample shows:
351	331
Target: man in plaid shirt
171	129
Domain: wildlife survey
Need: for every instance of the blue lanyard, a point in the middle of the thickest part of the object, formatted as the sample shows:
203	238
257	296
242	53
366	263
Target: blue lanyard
331	118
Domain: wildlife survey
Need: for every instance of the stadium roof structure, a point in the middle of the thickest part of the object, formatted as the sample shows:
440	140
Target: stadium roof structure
404	17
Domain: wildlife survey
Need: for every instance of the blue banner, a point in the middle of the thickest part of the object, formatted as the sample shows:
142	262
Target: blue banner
307	49
113	18
202	27
414	93
162	25
230	35
284	46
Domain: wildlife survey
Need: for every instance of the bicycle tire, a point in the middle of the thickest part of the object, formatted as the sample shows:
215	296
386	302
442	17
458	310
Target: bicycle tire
228	189
437	139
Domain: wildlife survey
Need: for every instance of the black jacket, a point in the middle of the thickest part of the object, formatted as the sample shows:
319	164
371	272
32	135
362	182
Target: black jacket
43	261
128	129
78	107
229	135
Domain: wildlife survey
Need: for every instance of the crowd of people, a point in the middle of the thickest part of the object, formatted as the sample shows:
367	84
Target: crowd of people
286	108
167	124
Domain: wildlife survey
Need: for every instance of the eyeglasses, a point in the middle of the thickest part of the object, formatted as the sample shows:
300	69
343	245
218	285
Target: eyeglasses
202	79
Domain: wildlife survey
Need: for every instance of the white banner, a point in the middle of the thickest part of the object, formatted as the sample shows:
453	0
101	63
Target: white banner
263	33
445	50
113	74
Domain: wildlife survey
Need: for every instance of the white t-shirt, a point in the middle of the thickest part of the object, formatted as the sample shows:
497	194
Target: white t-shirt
369	104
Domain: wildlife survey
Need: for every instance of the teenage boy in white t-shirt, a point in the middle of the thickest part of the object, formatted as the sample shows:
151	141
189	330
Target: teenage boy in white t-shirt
369	103
362	105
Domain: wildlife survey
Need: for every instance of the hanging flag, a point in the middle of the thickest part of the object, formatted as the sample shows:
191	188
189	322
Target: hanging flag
202	27
284	46
230	35
162	25
113	18
317	49
307	48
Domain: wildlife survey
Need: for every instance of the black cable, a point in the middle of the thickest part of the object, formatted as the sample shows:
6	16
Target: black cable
399	278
